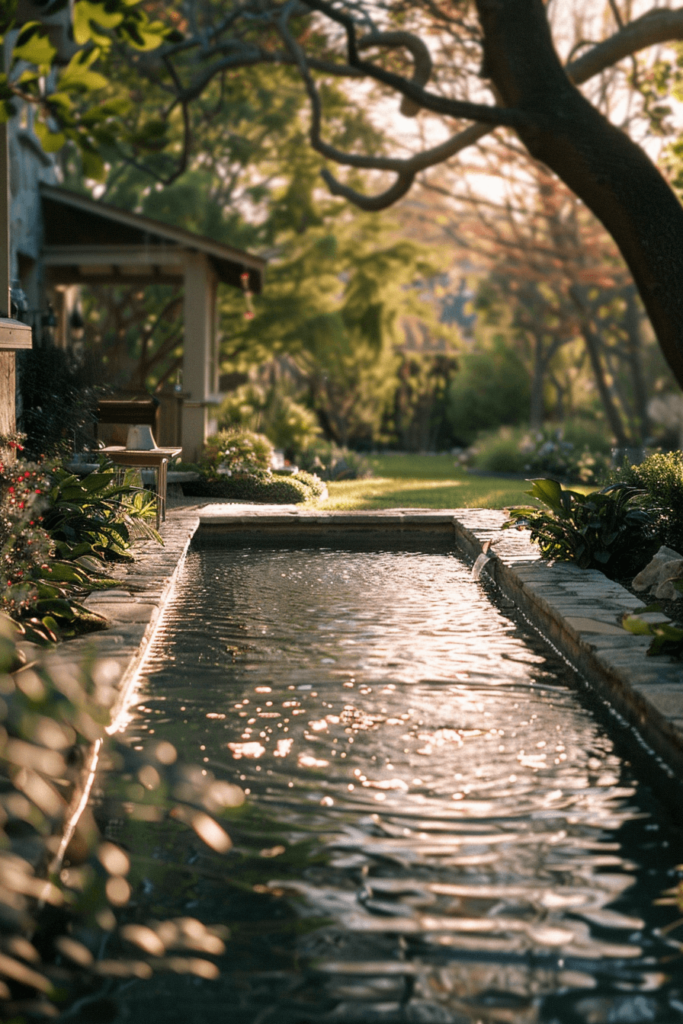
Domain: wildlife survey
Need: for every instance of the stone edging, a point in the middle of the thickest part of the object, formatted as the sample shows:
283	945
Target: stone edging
133	610
577	610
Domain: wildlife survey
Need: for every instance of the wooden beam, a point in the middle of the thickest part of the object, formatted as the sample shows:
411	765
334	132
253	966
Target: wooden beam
14	334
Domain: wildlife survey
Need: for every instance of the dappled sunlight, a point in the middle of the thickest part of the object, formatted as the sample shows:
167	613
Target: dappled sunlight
461	492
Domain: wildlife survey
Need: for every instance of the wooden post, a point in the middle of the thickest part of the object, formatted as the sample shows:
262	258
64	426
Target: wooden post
197	353
13	333
7	357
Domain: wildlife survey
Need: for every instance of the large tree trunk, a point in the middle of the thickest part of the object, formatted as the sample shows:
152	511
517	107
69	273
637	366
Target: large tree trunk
537	380
634	341
599	162
609	406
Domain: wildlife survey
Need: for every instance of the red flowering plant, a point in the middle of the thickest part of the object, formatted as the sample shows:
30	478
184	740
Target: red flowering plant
25	546
38	588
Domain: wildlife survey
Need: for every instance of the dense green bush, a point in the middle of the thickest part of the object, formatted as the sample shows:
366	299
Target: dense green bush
500	451
236	464
288	424
571	452
660	476
490	390
603	530
235	451
310	480
256	486
332	462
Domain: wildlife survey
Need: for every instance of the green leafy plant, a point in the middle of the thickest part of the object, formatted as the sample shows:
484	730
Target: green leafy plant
333	462
660	478
490	389
603	530
257	486
56	533
563	452
310	480
235	451
271	410
100	514
667	637
236	464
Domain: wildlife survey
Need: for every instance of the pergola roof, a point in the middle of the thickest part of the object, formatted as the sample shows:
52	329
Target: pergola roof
80	231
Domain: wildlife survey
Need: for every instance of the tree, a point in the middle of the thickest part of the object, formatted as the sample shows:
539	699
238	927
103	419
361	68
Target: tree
552	275
335	304
534	95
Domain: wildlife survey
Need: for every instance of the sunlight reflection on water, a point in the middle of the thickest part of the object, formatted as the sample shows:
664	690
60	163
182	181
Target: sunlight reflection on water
479	825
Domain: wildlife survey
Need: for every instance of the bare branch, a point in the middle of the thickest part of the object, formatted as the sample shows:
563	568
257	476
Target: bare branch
660	26
421	57
427	100
372	204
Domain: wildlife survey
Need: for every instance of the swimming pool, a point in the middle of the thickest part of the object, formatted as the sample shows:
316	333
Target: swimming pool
442	826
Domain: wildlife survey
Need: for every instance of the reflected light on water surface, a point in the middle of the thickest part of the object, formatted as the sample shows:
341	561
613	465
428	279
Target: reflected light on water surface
489	855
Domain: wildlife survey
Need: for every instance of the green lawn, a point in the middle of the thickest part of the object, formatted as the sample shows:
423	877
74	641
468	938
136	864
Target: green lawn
423	481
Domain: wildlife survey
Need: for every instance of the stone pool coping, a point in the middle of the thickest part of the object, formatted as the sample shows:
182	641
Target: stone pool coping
577	610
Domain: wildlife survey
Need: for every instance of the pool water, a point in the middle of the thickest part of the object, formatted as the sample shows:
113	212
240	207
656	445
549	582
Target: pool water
451	828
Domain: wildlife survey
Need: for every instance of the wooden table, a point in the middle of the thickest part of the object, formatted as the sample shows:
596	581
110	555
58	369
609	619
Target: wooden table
154	458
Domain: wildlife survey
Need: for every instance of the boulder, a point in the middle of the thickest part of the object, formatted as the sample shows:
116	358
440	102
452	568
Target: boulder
666	566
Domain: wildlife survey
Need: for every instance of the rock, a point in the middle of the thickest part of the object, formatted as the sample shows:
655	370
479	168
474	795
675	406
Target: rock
665	589
656	571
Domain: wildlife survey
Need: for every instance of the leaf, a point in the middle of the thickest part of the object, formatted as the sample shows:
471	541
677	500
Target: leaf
33	45
78	73
50	141
634	624
548	491
93	165
56	606
51	626
60	573
86	13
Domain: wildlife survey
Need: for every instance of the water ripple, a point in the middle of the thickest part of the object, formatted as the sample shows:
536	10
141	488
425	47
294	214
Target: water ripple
489	854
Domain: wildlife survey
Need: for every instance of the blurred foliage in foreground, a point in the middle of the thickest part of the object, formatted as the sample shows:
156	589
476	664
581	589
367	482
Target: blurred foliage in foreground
73	914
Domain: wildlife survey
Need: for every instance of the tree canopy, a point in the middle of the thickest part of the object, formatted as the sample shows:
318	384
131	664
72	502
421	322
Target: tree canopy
485	62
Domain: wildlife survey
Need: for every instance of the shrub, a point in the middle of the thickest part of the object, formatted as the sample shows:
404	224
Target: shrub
660	476
286	422
98	515
312	481
258	486
331	462
490	390
235	451
561	453
500	452
54	530
603	530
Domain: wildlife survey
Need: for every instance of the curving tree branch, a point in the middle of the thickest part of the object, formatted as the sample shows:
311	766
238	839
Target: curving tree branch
654	27
422	60
493	115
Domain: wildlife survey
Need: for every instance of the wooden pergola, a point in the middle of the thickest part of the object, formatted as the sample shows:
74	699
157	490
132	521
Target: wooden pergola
89	242
13	334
